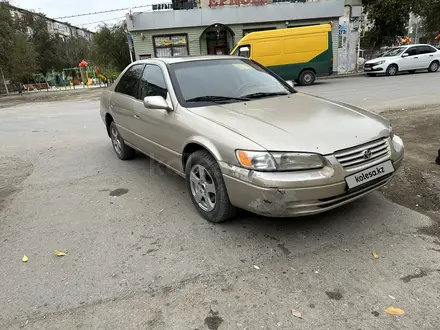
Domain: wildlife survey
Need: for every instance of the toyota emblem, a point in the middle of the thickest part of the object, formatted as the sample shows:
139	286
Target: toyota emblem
367	154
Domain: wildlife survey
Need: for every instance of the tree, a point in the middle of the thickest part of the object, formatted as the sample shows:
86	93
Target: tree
6	35
23	58
388	20
17	54
430	12
110	47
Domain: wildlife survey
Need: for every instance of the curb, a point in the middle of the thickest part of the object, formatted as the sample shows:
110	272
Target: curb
343	75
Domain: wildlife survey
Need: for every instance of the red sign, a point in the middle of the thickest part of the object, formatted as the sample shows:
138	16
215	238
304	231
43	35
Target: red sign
222	3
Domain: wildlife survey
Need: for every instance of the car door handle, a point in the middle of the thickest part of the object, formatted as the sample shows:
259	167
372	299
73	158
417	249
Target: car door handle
415	58
431	55
136	116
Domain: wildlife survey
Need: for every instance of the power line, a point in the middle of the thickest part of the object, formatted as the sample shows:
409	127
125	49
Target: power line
101	21
102	12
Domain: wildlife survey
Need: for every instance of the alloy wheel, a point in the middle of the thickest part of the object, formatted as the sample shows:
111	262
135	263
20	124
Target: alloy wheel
203	188
117	145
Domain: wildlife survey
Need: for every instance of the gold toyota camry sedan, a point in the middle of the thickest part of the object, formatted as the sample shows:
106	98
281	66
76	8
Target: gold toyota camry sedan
243	138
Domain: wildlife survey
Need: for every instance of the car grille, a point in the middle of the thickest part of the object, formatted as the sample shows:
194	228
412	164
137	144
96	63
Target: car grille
368	65
363	154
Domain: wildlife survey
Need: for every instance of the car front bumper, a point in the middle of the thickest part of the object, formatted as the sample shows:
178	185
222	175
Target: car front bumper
375	69
289	194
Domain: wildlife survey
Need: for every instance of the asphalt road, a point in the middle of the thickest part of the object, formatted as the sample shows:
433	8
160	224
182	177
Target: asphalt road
144	259
381	93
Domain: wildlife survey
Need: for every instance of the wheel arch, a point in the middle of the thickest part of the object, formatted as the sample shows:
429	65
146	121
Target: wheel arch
306	69
199	143
108	120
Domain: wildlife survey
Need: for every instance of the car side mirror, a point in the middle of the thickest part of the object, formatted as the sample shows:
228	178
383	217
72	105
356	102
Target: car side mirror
156	102
405	55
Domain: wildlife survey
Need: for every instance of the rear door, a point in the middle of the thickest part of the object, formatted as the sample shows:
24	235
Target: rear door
425	56
122	102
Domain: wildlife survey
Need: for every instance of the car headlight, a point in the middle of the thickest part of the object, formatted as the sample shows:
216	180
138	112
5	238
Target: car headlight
391	132
279	161
379	63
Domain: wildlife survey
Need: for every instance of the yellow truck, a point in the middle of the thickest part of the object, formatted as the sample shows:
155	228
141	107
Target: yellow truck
300	54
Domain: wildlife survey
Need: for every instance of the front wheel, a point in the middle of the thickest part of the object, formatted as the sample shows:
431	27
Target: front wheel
207	189
433	67
307	78
392	70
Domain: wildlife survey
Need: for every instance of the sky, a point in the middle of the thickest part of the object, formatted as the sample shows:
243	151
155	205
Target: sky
61	8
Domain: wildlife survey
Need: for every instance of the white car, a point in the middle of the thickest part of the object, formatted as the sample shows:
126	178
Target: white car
405	58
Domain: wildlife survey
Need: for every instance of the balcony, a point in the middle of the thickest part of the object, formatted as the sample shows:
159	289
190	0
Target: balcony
190	14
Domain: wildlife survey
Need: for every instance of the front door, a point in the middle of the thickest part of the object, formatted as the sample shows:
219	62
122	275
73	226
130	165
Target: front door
155	126
412	61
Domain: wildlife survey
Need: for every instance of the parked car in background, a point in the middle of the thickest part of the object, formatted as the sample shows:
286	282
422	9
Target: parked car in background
244	138
405	58
300	54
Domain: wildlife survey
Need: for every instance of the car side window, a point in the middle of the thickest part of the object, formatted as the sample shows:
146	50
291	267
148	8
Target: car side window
411	51
152	83
128	84
431	49
423	50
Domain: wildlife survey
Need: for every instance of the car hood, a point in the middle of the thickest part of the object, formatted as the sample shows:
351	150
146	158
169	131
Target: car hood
298	122
374	60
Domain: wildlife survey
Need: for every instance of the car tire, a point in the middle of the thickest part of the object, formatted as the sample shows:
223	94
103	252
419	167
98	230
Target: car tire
434	66
307	78
206	187
392	70
123	151
372	74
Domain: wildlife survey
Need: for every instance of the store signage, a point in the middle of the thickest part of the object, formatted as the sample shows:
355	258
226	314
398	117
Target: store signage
222	3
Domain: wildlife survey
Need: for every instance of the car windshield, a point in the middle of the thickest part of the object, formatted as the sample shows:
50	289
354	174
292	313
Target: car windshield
225	81
394	52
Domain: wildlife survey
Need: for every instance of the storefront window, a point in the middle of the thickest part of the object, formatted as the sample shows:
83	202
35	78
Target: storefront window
171	46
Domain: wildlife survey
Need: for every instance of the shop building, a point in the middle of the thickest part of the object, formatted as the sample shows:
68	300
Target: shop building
203	27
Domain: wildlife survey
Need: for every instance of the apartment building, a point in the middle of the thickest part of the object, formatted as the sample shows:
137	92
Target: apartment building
61	29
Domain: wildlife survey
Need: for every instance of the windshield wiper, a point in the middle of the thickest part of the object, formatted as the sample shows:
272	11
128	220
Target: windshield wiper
216	99
263	94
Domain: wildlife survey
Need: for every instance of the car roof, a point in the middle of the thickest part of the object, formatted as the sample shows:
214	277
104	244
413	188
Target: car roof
172	60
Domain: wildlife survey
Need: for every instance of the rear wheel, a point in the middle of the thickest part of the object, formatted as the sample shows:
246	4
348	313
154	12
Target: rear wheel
392	70
307	77
433	67
207	189
122	150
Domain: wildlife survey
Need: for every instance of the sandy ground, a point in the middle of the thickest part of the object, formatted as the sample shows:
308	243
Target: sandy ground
417	186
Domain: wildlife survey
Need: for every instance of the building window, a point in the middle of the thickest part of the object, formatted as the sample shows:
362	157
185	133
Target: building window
172	45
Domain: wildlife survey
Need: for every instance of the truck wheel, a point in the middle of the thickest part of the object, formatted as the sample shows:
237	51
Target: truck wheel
307	78
206	187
